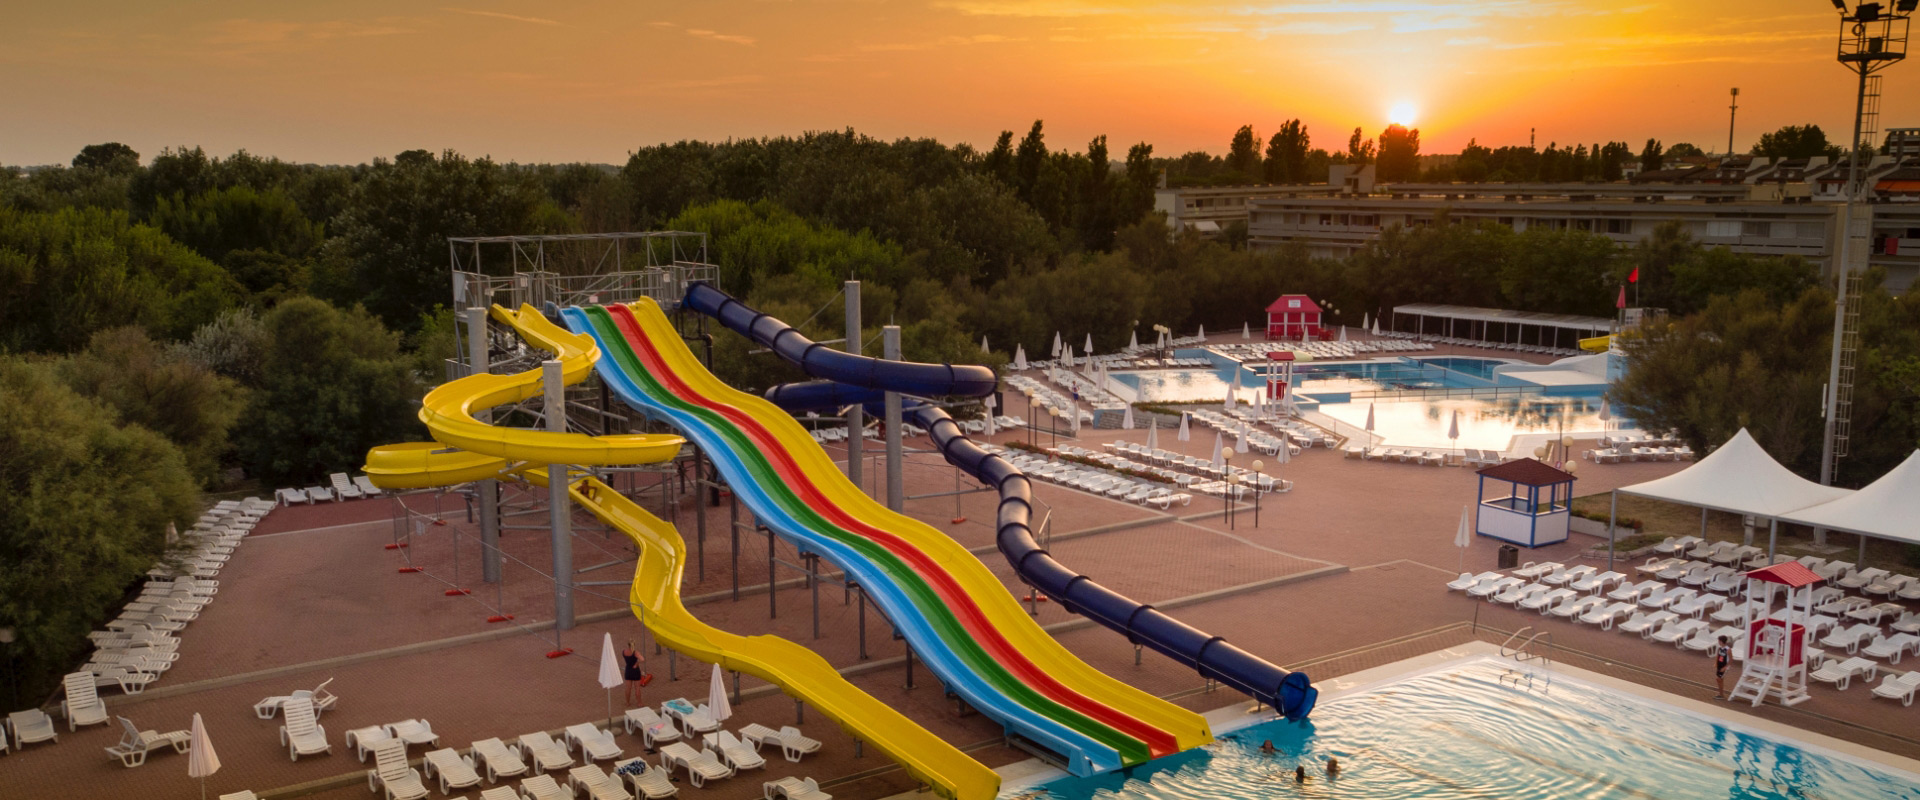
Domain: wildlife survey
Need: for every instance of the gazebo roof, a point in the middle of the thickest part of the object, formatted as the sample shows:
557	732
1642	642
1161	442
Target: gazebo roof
1740	478
1792	574
1282	304
1527	472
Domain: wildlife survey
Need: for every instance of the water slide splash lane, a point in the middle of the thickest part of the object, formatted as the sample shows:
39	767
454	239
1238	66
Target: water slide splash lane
906	599
487	450
1291	693
815	487
658	576
1190	730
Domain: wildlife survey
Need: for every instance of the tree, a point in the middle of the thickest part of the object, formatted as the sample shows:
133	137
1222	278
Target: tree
1473	164
1287	153
391	252
1142	180
1651	156
334	383
999	161
233	346
74	271
1399	154
1094	205
1796	141
111	157
1028	161
1358	151
1559	272
1613	157
88	501
1684	150
159	389
1243	154
221	221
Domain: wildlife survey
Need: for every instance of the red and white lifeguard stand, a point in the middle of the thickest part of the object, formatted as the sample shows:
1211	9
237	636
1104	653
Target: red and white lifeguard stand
1775	645
1279	374
1294	316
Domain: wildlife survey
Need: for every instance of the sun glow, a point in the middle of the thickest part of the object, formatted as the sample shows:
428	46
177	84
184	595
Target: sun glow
1402	113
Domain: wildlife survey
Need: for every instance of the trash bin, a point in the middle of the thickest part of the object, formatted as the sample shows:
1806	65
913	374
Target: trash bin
1509	556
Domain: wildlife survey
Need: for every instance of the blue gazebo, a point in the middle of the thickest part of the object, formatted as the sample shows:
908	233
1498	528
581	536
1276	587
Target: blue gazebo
1534	517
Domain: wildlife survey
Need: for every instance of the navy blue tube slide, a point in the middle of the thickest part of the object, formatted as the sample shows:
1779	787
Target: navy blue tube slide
822	361
1290	693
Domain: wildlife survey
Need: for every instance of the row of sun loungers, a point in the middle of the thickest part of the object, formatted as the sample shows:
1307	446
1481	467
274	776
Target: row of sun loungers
339	487
1616	455
1044	397
1691	615
1183	470
1460	342
1098	481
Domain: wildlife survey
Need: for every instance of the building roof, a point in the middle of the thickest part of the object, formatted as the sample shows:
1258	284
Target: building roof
1569	321
1888	508
1527	472
1739	478
1791	573
1291	303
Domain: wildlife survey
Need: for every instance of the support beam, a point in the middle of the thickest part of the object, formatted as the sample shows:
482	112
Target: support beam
487	491
560	504
856	417
896	485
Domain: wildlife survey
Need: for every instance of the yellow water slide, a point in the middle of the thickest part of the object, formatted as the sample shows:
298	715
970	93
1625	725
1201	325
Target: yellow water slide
493	452
1002	610
1597	344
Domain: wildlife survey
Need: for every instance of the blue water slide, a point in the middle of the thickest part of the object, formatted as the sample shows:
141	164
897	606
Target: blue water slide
1290	693
875	580
822	361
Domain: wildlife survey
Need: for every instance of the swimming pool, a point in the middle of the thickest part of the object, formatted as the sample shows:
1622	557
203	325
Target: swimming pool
1391	374
1463	732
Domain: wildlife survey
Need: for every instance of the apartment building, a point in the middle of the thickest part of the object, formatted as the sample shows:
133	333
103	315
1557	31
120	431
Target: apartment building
1208	209
1750	207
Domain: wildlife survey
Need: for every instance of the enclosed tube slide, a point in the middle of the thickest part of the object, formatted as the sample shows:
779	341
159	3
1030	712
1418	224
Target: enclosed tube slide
1290	693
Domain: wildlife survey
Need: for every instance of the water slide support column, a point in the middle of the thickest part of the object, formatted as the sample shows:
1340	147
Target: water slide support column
856	418
896	490
559	503
488	490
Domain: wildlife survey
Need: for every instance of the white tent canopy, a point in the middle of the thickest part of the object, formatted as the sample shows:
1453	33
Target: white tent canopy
1739	478
1888	508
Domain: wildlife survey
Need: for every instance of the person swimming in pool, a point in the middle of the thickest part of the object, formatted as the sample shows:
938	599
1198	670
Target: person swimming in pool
1299	774
1333	768
1267	748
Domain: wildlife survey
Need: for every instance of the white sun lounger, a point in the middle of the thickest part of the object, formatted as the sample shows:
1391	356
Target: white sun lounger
82	705
318	697
548	755
1677	631
1577	607
734	752
1532	570
651	782
501	760
693	719
30	726
391	775
1899	687
1643	623
1545	602
598	785
362	741
135	743
655	730
595	744
1850	637
302	735
1518	592
701	766
1841	673
289	497
343	487
1872	614
1704	640
793	789
1892	647
792	742
1488	588
452	770
413	731
366	487
1598	582
544	787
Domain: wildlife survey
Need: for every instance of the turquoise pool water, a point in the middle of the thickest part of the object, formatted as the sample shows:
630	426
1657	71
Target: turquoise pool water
1432	372
1463	733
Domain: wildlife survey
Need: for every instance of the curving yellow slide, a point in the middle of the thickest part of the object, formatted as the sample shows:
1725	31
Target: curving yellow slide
470	450
1003	611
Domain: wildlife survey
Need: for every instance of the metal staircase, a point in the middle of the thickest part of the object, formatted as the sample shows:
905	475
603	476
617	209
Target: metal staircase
1849	354
1532	653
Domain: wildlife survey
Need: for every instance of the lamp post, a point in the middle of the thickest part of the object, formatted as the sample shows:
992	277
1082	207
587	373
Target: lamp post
1259	467
1036	417
13	680
1054	426
1228	494
1872	38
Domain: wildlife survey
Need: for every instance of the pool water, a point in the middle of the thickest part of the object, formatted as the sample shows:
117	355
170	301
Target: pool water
1433	372
1486	423
1464	732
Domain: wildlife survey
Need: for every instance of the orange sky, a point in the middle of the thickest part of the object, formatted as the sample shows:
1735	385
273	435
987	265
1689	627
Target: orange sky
590	81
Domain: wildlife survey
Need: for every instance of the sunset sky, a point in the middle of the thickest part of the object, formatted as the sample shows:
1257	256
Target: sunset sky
344	81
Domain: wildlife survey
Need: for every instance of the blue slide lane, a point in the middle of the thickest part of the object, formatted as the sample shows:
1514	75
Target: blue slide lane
1290	693
875	581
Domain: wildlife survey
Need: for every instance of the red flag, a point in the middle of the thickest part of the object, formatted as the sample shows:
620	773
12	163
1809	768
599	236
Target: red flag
1635	277
1622	302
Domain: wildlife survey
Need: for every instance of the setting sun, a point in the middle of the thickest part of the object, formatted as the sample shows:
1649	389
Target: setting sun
1402	113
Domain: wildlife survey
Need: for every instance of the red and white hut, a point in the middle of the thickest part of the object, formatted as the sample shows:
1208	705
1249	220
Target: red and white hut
1294	316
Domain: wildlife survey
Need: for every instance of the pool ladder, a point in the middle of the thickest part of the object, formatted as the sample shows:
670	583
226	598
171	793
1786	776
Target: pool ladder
1532	653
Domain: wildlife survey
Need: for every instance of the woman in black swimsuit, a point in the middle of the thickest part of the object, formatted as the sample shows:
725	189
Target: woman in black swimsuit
632	659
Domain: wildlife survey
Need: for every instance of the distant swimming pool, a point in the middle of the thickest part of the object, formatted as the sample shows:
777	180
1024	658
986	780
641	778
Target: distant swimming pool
1432	372
1461	732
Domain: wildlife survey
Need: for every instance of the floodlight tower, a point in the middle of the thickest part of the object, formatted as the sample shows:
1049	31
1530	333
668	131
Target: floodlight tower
1733	110
1872	38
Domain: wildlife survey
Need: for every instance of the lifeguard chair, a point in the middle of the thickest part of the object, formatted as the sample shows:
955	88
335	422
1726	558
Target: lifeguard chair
1775	660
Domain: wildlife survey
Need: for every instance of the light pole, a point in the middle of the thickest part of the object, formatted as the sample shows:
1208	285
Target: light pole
1871	39
1259	467
1733	108
1030	412
1054	426
13	680
1228	494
